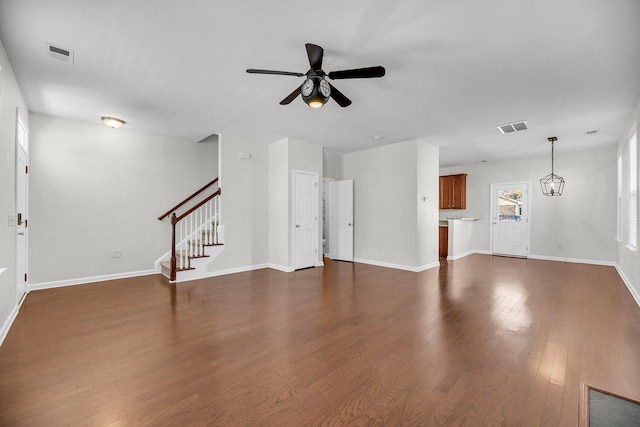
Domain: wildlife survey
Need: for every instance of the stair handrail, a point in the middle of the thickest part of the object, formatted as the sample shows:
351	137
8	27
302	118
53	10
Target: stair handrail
173	209
181	217
176	219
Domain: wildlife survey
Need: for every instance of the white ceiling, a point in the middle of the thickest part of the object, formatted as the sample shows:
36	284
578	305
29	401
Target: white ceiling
455	69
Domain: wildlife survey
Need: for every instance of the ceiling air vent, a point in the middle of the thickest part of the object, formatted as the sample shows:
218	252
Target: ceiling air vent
513	127
60	53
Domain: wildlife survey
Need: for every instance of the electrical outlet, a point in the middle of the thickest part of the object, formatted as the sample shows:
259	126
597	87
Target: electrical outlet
116	254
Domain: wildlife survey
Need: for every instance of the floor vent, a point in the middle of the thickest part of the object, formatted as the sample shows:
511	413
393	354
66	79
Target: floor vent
513	127
60	53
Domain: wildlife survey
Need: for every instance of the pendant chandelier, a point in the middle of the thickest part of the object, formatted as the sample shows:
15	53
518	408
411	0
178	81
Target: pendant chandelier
552	184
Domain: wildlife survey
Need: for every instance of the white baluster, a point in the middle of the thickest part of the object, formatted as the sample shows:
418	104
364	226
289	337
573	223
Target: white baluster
194	249
209	225
180	225
182	251
216	216
190	239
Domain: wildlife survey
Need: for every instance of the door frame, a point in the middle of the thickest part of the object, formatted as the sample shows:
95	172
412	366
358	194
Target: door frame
19	175
527	207
316	237
326	217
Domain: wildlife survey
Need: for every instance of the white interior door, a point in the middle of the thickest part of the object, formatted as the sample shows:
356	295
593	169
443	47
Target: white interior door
305	219
341	221
21	208
510	219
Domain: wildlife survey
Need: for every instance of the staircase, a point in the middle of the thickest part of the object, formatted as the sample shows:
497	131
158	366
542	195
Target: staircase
196	235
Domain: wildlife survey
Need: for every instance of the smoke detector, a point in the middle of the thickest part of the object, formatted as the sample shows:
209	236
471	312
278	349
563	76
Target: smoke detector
513	127
60	53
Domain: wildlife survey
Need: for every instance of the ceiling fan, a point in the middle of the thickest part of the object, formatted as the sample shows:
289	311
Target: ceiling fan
316	90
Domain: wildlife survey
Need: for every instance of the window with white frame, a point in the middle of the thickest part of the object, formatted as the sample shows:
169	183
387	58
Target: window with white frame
632	238
620	218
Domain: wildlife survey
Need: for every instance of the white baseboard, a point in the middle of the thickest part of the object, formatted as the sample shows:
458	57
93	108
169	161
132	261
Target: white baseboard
85	280
427	266
397	266
627	283
10	319
465	254
458	256
236	270
573	260
281	268
7	324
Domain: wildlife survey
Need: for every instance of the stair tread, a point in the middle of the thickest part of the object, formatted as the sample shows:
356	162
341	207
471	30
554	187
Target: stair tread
185	253
167	265
199	242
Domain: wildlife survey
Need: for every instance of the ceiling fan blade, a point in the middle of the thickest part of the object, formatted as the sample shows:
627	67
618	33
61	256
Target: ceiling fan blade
339	97
358	73
281	73
315	54
293	95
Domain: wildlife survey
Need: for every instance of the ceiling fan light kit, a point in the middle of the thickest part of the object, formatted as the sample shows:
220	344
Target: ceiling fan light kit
316	90
552	184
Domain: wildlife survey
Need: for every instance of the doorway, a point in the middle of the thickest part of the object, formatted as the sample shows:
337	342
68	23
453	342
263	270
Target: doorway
305	219
341	220
510	219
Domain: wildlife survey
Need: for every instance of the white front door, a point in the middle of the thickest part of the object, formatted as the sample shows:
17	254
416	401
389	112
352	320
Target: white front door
305	219
341	220
21	209
510	219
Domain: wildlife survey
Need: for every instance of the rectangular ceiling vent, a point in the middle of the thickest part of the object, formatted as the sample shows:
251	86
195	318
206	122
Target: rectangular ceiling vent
513	127
60	53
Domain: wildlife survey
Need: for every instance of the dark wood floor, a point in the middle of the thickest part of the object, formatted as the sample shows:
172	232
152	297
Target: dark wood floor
480	341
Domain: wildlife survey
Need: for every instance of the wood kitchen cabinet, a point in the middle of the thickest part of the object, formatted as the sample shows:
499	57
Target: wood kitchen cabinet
453	191
443	239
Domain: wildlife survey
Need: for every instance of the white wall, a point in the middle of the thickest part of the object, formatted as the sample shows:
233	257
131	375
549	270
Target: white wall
245	187
332	167
579	225
306	157
428	159
628	260
94	190
285	156
389	227
10	99
279	225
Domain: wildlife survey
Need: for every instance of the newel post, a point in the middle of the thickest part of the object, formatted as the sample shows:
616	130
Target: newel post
174	220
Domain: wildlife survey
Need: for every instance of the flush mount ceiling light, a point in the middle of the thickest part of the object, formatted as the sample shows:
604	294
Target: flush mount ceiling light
112	122
552	184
